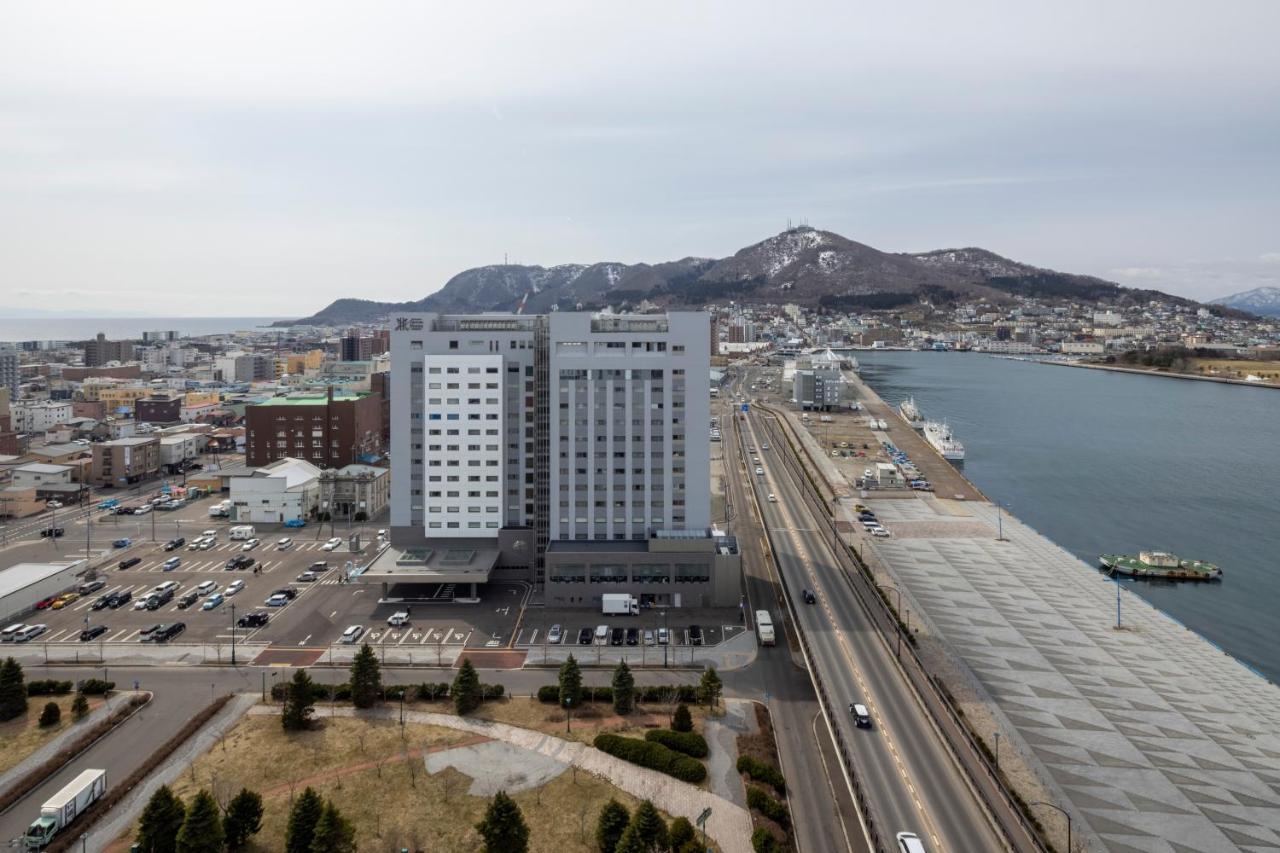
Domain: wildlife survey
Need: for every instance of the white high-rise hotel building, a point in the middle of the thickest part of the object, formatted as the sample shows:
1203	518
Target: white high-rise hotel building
522	442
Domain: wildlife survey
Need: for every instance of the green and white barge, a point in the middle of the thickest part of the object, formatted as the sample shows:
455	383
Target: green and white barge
1160	565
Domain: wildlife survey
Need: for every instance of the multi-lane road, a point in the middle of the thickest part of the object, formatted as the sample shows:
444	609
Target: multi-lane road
910	779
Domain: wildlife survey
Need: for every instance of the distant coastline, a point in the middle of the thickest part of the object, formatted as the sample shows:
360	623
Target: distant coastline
14	329
1140	372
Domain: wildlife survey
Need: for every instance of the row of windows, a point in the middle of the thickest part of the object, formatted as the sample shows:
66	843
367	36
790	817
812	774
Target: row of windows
471	386
471	525
453	510
453	370
454	416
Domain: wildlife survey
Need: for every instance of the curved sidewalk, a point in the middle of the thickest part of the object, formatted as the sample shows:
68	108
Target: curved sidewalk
729	824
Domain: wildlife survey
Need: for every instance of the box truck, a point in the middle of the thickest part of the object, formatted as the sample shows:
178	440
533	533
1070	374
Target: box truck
620	604
764	628
65	806
221	509
242	531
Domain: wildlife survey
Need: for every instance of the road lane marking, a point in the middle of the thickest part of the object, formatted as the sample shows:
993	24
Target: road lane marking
303	641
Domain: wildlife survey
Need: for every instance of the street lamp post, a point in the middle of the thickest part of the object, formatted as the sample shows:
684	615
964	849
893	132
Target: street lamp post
997	749
1064	814
1000	507
568	713
233	635
667	633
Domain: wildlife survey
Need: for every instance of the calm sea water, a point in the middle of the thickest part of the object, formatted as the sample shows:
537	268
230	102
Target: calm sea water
83	328
1112	463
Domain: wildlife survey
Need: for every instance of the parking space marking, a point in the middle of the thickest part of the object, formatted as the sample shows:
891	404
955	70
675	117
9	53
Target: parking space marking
118	635
54	638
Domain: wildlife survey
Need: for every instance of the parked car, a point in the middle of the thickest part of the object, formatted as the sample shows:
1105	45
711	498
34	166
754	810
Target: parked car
29	633
213	602
187	600
584	637
276	600
90	586
160	599
53	504
91	633
695	635
648	637
175	544
398	619
633	636
206	587
64	599
118	599
288	592
144	602
44	603
554	634
616	637
129	563
255	619
234	587
352	634
250	545
168	632
145	633
664	636
284	544
331	544
122	543
52	532
102	602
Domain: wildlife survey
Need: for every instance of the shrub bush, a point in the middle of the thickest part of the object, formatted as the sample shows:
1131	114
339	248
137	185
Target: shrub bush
655	756
677	692
432	691
492	691
761	772
96	686
549	693
759	799
48	687
690	743
51	715
764	841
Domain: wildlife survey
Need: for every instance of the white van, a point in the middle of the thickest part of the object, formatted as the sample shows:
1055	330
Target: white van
8	635
206	587
395	620
602	635
284	544
909	842
352	634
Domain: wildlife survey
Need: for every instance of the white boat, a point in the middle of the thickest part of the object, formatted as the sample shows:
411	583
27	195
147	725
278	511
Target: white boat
911	413
939	435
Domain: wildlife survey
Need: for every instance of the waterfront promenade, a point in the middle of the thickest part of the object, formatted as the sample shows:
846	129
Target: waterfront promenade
1154	738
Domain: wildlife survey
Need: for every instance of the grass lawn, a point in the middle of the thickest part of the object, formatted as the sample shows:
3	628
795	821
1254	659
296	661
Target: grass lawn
22	736
390	806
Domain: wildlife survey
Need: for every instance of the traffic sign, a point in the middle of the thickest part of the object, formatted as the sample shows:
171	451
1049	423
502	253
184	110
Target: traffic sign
746	407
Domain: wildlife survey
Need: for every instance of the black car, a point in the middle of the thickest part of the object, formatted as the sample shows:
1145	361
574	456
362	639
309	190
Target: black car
584	637
168	632
866	515
616	636
102	602
288	592
130	563
93	631
237	562
188	600
119	598
809	597
52	532
175	544
633	636
695	635
253	620
160	599
145	633
124	510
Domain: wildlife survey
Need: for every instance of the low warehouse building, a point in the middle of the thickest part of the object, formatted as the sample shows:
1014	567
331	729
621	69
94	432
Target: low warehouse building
23	585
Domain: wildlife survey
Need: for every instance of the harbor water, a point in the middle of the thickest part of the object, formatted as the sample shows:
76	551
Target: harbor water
1105	462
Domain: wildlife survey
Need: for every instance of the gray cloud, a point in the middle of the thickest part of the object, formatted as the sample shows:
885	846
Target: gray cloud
285	155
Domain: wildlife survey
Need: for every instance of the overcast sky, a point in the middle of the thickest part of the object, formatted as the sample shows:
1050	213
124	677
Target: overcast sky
266	158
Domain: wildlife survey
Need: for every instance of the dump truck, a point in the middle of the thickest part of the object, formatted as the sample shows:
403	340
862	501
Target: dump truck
60	810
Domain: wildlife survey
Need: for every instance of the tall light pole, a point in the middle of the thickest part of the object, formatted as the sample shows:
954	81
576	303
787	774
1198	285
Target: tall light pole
1000	520
667	644
233	635
1064	814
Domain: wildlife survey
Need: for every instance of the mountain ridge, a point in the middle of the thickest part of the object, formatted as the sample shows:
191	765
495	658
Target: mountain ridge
1263	301
807	266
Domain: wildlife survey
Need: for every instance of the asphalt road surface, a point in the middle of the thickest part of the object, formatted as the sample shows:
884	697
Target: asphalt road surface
911	780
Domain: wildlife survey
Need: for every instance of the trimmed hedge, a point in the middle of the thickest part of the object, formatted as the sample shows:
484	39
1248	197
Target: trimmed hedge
426	692
550	693
655	756
96	687
431	691
690	743
48	687
759	799
761	772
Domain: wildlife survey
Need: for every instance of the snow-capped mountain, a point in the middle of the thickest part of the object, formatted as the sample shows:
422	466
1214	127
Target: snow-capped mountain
1264	301
802	265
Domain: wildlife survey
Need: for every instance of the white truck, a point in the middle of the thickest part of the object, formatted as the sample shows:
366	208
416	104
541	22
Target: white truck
242	531
64	807
221	509
764	628
619	604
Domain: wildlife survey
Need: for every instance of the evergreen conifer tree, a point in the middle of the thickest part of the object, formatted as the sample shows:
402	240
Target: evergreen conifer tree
610	826
202	827
366	678
503	828
466	688
302	822
160	822
624	690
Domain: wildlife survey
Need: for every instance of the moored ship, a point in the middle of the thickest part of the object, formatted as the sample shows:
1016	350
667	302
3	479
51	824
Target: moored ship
939	435
1160	565
911	413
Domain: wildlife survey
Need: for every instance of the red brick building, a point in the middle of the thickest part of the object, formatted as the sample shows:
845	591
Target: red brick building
329	431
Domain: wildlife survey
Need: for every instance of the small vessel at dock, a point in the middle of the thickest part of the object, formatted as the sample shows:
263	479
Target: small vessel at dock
939	435
911	413
1160	565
